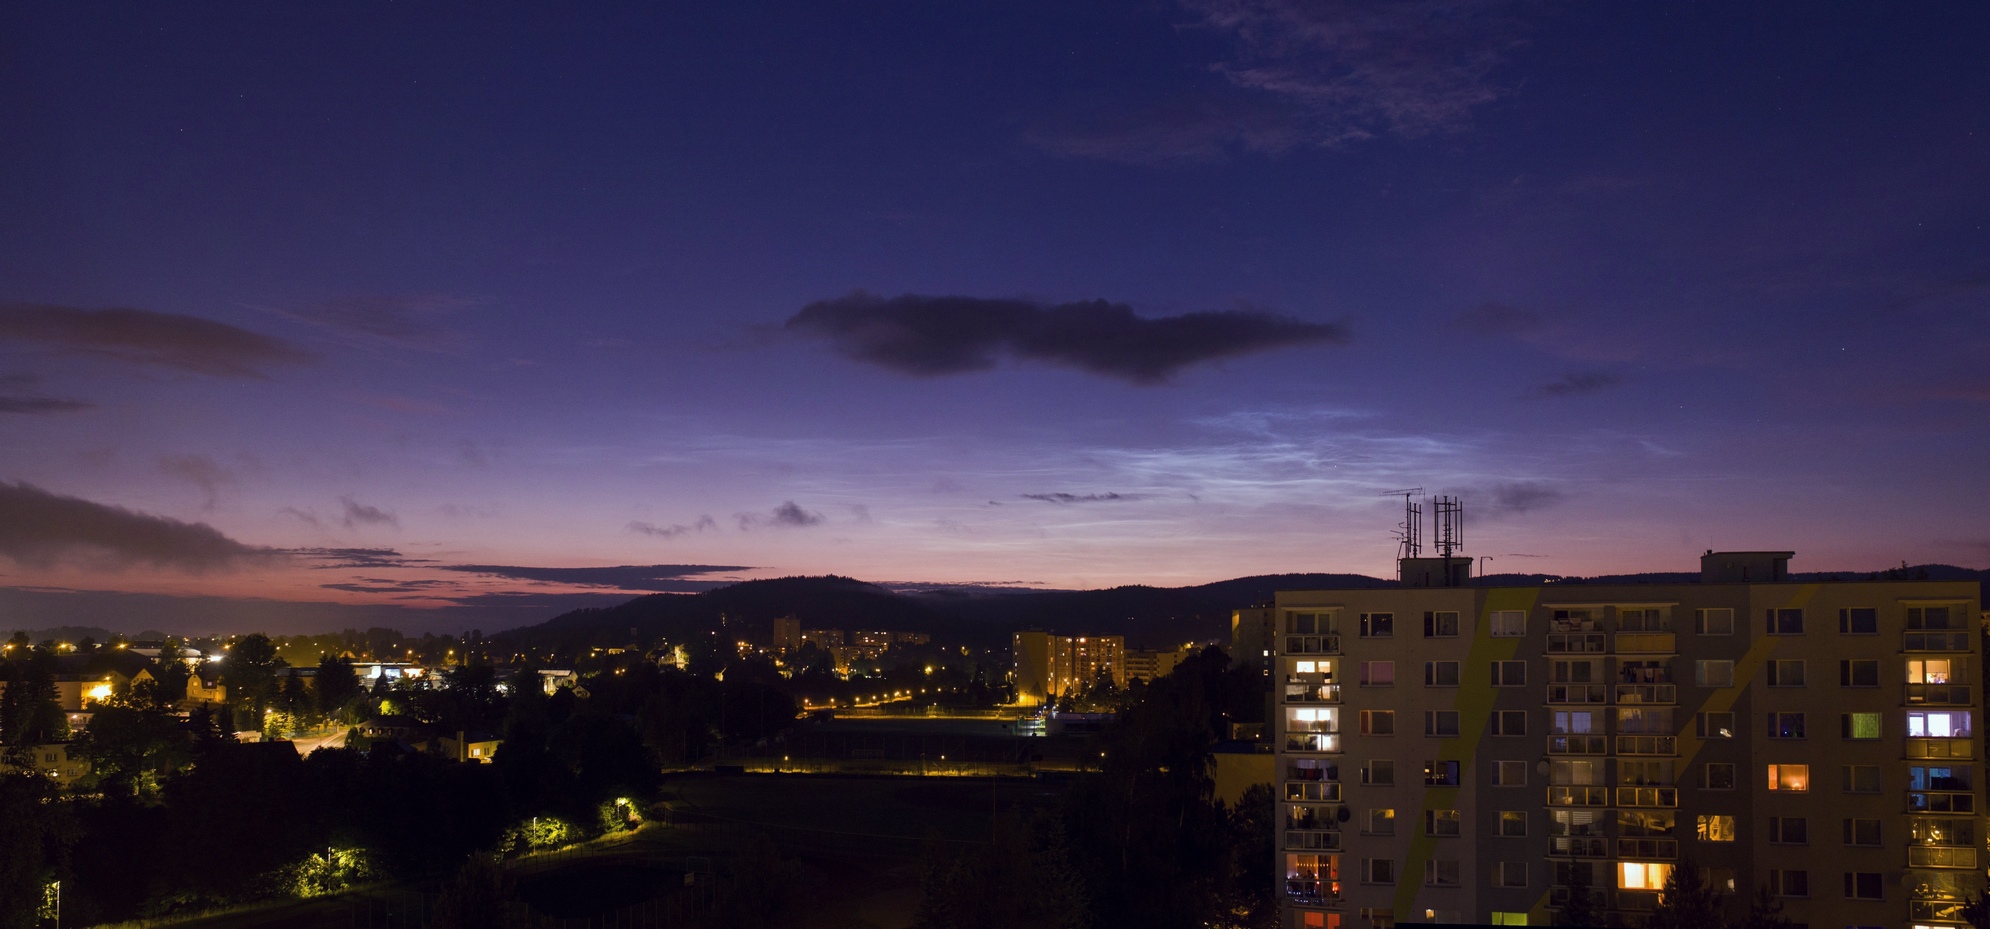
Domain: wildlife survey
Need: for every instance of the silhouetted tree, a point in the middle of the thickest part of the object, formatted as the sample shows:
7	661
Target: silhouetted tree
1765	912
1687	902
1580	909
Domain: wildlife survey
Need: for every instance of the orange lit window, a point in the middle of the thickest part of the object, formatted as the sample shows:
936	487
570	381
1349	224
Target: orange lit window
1790	777
1642	875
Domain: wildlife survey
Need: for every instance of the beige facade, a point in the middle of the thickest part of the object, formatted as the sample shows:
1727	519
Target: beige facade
1049	666
1453	754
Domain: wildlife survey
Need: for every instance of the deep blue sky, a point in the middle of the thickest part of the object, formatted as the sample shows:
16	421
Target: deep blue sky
513	288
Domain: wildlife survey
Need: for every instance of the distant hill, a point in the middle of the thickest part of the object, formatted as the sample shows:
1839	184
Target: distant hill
1146	616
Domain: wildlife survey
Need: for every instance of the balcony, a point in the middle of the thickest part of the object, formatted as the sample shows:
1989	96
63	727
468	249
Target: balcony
1940	801
1924	641
1940	749
1648	796
1315	791
1647	745
1312	693
1940	856
1578	796
1637	900
1938	695
1578	643
1643	694
1311	841
1578	693
1647	848
1578	745
1579	846
1646	643
1312	819
1314	892
1312	644
1935	911
1312	742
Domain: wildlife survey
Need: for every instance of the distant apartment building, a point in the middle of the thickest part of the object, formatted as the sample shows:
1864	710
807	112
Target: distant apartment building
1050	666
1251	630
787	637
1457	753
1145	664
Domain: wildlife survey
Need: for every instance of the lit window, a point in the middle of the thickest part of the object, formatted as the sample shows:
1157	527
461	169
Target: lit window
1642	875
1859	725
1794	778
1378	626
1512	823
1440	774
1381	822
1938	724
1930	670
1716	828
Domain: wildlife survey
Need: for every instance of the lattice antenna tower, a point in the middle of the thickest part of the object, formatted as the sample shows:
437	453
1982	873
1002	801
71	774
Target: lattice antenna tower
1409	533
1450	525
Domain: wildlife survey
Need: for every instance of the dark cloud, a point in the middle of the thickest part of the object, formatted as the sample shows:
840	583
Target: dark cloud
144	337
672	531
201	471
357	558
40	529
1195	127
1498	319
1578	383
657	578
1063	498
932	336
787	515
17	396
359	514
1522	497
382	585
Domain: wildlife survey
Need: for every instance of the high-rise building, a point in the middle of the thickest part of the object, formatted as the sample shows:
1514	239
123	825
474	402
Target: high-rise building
1251	630
787	638
1459	753
1050	666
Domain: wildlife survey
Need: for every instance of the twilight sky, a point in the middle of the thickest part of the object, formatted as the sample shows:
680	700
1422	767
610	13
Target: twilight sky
489	312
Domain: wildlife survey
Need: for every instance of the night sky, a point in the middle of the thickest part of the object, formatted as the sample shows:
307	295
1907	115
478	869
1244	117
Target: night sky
457	308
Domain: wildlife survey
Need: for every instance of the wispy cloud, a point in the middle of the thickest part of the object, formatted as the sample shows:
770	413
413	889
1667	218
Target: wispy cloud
144	337
659	578
358	514
1578	383
367	558
1519	497
203	472
930	336
412	321
1308	73
41	529
788	515
701	524
1499	319
1064	498
18	396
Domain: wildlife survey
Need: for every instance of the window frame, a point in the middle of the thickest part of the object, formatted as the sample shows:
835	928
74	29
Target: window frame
1848	617
1433	672
1785	621
1701	626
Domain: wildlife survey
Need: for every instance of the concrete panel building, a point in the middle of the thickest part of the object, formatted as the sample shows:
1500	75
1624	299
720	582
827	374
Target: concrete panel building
1465	753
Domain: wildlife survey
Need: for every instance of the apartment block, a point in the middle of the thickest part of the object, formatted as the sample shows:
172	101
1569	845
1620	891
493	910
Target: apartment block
1049	666
1457	753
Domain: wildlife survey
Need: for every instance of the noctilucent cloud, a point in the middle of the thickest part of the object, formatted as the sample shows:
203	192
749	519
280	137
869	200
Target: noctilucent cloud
463	315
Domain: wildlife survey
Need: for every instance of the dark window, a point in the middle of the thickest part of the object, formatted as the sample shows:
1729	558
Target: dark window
1786	725
1858	672
1440	624
1786	622
1858	621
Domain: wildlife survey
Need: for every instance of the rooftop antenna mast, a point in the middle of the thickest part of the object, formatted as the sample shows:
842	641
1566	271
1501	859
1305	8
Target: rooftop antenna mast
1450	525
1409	533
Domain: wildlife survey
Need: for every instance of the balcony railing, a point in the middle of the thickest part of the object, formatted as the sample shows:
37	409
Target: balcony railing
1312	742
1316	791
1577	643
1938	694
1647	745
1647	848
1578	693
1578	745
1299	840
1312	644
1640	694
1579	846
1934	749
1578	796
1648	796
1312	693
1646	643
1940	801
1927	911
1312	819
1311	891
1940	856
1948	641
